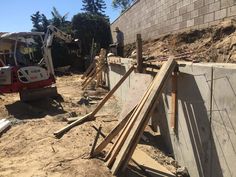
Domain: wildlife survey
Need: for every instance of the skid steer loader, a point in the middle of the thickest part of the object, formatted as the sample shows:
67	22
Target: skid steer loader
20	69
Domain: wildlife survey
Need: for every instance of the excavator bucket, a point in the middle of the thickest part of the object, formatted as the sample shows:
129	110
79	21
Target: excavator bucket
37	94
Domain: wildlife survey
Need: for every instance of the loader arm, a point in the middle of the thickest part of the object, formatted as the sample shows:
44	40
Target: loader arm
52	32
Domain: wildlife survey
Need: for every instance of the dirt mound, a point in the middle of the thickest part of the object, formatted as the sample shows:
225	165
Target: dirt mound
214	44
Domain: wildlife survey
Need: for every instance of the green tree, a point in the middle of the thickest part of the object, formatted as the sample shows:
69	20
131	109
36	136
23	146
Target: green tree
95	7
87	27
40	22
122	4
59	20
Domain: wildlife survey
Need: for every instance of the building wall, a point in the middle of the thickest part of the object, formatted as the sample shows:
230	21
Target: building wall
153	18
204	140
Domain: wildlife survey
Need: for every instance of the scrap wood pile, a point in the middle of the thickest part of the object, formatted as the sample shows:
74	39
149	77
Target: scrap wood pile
94	71
131	128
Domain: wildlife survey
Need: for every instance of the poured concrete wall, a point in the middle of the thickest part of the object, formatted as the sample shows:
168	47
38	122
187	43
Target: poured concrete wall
205	136
155	18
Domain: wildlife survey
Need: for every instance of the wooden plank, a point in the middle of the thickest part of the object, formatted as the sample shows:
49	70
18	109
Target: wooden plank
159	82
90	80
149	164
112	91
120	140
68	127
88	70
138	86
95	141
139	135
90	75
113	133
174	101
100	105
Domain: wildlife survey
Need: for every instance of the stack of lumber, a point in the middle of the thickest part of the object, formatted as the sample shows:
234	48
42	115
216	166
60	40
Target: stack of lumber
94	71
131	128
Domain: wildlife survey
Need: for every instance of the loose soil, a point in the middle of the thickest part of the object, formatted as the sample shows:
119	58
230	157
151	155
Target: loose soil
29	148
214	44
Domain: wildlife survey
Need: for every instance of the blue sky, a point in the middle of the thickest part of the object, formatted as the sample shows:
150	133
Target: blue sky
15	14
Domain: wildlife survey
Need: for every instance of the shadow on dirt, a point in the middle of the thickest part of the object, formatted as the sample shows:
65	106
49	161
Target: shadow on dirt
36	109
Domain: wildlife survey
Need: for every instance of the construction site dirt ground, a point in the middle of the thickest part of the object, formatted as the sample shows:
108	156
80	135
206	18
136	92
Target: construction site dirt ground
29	147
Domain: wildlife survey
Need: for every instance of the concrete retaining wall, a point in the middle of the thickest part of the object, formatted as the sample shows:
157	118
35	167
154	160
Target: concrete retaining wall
205	138
155	18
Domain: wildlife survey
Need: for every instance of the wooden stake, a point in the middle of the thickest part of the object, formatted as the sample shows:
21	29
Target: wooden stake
95	141
113	133
139	53
174	101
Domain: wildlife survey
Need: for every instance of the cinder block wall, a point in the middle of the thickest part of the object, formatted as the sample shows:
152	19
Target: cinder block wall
154	18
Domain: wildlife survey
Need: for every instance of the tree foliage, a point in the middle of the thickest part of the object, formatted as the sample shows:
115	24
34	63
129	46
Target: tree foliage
122	4
95	7
88	27
40	23
60	21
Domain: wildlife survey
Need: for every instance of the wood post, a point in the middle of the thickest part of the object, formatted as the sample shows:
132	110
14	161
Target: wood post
95	141
174	101
139	52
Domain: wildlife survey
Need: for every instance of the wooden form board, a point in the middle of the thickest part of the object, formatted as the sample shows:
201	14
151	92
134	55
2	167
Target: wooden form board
149	164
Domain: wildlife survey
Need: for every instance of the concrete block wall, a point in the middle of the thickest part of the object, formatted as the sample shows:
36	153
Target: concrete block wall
156	18
205	137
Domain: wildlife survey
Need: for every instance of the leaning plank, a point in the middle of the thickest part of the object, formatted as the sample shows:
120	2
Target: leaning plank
112	134
95	141
149	164
68	127
89	69
100	105
112	91
89	75
120	140
159	82
90	80
4	124
139	135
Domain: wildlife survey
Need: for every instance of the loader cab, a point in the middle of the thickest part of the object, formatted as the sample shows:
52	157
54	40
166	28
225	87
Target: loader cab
21	49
